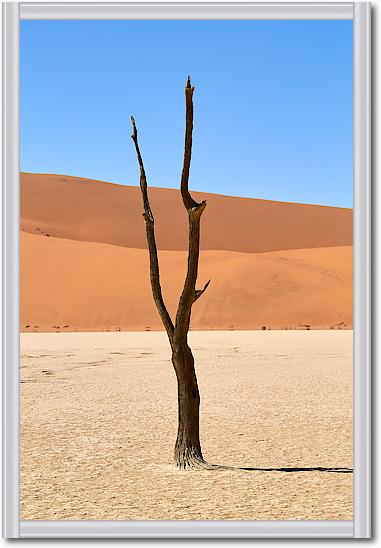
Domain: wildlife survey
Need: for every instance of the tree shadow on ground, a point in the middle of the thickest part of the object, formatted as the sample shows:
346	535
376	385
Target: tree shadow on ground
306	469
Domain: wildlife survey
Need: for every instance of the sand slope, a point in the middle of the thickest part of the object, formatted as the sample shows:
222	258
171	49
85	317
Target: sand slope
84	262
81	209
93	286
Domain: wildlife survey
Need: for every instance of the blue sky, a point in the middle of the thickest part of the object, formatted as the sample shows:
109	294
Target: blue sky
273	104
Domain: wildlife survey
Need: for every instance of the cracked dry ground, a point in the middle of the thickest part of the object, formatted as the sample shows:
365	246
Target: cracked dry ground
98	425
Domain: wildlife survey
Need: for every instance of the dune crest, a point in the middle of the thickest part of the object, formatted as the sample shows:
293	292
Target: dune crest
84	260
94	211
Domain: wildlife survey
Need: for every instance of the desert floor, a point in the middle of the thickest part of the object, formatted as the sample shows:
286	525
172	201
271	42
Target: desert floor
98	425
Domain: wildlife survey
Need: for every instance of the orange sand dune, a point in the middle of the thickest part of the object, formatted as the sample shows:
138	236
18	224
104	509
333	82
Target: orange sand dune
93	286
82	209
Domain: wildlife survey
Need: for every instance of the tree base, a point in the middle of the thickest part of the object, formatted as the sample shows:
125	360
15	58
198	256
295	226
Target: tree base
191	458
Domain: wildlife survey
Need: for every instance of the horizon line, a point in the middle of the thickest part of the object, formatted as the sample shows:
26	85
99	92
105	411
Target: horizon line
191	190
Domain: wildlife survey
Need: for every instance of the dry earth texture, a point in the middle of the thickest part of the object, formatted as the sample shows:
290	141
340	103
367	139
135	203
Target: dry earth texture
99	418
84	259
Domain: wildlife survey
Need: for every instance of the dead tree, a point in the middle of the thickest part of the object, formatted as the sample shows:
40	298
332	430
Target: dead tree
187	452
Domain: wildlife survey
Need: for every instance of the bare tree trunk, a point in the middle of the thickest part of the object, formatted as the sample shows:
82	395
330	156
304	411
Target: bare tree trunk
187	452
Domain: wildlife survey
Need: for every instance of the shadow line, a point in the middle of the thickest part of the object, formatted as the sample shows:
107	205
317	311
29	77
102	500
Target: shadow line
307	469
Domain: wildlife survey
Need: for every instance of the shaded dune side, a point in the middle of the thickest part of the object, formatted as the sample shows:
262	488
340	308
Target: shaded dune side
94	211
93	287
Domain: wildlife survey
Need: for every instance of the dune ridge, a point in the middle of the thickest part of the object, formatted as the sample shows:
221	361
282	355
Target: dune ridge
84	260
87	210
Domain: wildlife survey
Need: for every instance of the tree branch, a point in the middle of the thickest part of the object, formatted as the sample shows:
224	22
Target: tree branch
199	292
150	233
189	202
195	210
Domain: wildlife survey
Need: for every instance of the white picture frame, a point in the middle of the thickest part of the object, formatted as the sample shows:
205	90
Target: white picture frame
360	527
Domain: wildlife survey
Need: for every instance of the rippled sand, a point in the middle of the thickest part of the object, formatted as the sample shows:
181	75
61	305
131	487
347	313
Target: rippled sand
98	425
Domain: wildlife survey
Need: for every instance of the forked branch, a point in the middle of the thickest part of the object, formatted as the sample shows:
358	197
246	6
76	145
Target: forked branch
150	232
177	333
